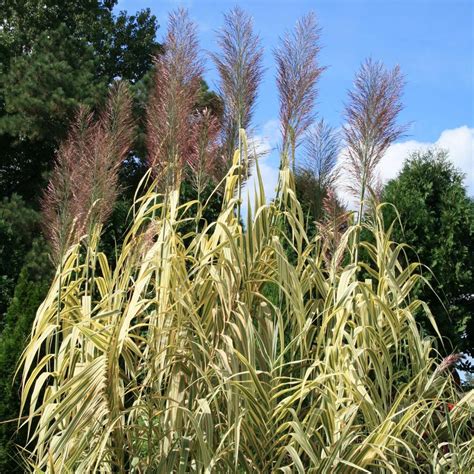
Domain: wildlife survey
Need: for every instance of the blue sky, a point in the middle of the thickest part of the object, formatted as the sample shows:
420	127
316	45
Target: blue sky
431	40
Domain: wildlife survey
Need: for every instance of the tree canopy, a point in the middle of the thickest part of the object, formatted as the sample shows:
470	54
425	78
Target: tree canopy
437	218
52	59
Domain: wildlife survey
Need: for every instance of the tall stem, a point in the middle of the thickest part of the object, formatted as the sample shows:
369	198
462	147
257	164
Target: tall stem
361	203
359	222
199	213
240	177
58	320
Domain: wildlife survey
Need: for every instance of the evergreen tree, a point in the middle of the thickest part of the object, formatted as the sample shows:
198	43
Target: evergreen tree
53	57
30	291
18	223
437	219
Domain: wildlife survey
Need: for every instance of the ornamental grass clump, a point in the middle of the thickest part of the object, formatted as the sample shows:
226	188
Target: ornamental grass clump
234	346
222	355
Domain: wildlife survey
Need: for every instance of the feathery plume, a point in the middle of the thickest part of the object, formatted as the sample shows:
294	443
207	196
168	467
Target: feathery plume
298	72
321	150
448	362
176	87
239	64
331	228
318	172
83	185
203	157
371	126
109	141
59	203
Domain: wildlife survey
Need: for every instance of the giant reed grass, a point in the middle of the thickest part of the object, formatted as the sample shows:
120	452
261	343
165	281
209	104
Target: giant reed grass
232	348
225	355
171	107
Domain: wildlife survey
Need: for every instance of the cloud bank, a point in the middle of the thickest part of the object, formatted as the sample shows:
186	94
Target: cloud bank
459	142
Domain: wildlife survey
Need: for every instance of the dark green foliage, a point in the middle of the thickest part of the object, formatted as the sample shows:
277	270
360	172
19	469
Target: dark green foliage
317	201
211	212
43	89
24	275
19	225
23	167
117	226
130	46
438	223
310	194
123	44
32	286
210	100
53	57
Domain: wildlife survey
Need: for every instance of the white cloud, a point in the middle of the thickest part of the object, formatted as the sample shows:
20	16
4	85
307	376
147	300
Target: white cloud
262	146
272	132
459	142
